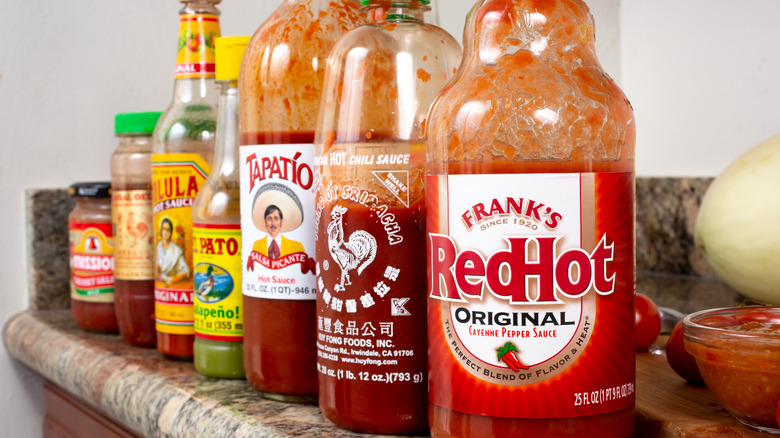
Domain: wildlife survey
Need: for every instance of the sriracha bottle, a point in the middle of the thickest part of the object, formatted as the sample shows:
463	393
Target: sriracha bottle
530	194
182	151
380	81
280	84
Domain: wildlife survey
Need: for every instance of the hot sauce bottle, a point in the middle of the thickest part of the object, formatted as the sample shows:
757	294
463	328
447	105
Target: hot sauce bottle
380	81
182	152
280	86
218	349
92	257
131	212
530	195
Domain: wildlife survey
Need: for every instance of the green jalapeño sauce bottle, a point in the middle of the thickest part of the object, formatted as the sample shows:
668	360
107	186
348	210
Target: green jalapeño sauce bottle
219	317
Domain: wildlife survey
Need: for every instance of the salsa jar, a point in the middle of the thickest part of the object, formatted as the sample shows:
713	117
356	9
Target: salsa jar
131	211
737	350
92	257
530	196
280	86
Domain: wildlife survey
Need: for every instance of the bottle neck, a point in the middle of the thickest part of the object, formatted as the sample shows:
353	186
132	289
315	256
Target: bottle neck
200	7
198	29
226	149
387	10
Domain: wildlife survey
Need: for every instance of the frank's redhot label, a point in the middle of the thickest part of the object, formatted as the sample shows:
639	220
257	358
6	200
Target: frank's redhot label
530	293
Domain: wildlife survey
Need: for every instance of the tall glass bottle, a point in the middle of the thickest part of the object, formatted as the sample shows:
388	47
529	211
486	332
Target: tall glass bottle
216	217
380	81
182	152
530	198
280	86
131	212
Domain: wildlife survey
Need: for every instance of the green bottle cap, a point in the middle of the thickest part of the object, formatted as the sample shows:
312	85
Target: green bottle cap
135	122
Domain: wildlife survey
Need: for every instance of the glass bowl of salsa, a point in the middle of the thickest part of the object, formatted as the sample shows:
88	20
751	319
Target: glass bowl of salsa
738	353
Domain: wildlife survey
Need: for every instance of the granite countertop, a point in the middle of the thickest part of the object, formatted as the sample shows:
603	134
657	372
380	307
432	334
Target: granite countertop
159	397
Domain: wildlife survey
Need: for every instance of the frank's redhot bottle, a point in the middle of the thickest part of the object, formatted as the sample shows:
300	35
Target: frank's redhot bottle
530	197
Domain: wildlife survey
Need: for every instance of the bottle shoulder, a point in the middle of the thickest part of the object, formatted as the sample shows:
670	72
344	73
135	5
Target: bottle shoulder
524	107
189	127
218	202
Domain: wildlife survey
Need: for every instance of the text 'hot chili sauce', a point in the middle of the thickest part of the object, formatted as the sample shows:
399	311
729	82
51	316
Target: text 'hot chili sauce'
530	197
280	85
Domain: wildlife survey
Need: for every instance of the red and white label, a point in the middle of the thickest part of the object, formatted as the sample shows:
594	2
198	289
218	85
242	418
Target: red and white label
527	280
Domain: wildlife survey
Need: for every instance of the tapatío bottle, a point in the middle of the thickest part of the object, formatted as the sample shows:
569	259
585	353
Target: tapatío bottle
280	86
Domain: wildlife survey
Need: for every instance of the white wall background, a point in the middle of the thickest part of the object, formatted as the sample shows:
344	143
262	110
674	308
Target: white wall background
703	76
704	79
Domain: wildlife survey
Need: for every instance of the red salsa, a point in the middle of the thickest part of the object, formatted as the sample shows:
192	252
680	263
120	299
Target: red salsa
738	354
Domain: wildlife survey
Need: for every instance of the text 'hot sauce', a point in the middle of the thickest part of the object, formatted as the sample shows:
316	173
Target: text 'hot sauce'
530	197
280	85
182	153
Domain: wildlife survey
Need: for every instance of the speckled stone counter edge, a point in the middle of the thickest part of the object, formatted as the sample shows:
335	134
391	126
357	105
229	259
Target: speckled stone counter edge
153	396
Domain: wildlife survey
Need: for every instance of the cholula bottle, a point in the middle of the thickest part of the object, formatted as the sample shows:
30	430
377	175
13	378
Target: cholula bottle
182	152
280	86
219	319
530	197
380	81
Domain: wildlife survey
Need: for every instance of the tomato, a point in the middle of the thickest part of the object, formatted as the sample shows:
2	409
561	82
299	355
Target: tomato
679	359
648	322
778	412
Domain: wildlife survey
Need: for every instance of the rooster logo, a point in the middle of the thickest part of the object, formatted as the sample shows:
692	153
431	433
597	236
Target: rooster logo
355	254
137	229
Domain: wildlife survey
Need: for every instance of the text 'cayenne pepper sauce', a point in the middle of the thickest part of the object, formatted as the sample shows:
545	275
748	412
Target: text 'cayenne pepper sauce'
370	218
280	85
530	194
182	153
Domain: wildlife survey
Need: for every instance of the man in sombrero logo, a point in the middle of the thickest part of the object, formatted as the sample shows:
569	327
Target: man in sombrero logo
274	245
276	210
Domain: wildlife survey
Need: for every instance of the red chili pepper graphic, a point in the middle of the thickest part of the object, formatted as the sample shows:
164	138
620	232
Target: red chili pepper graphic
507	353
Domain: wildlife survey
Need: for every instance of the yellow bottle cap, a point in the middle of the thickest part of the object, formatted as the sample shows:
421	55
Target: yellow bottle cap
229	52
